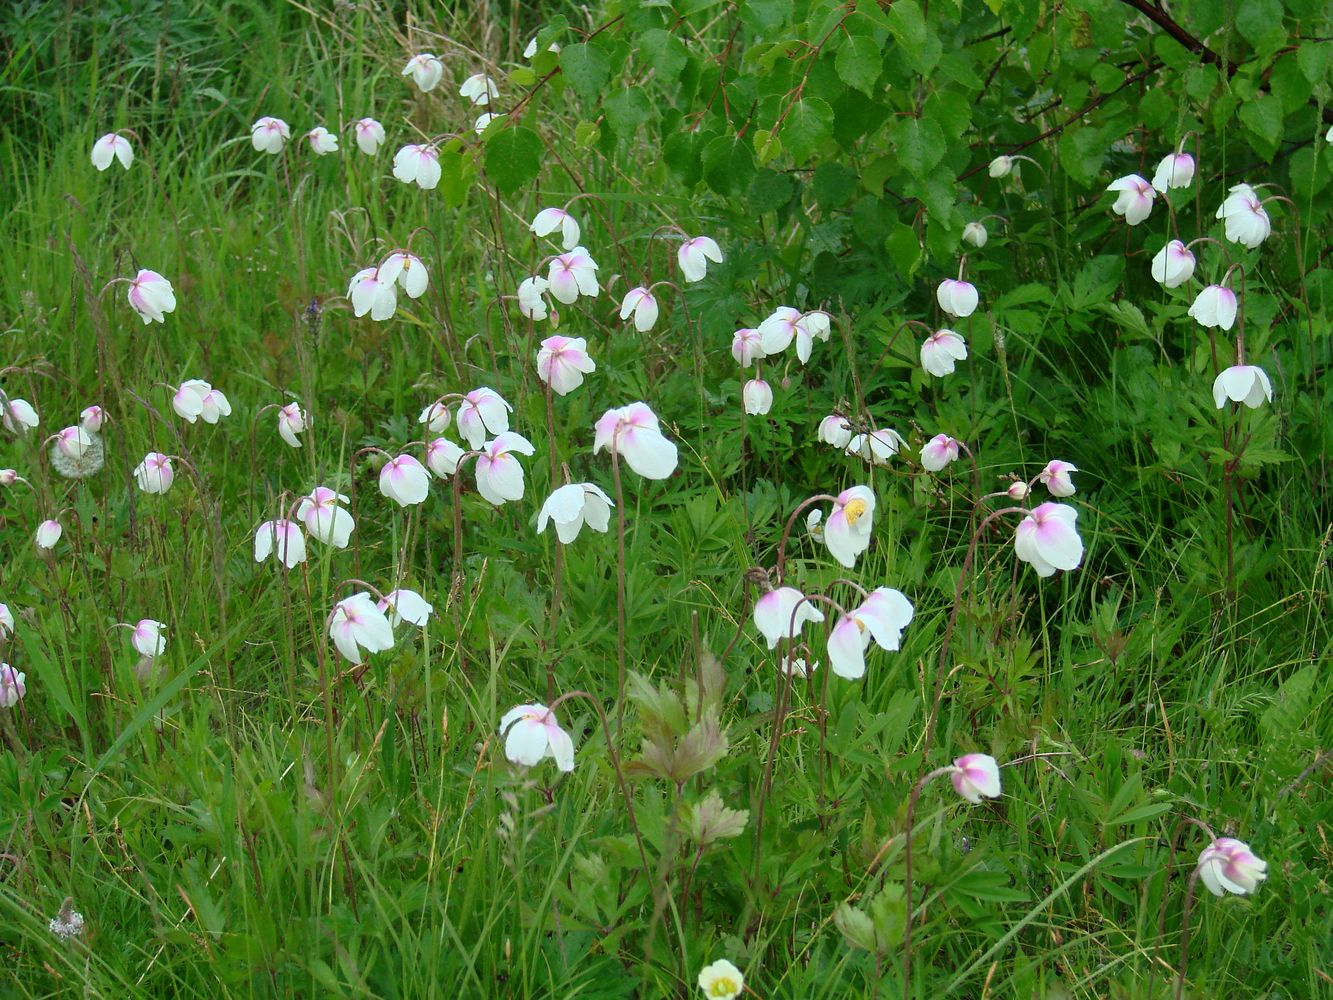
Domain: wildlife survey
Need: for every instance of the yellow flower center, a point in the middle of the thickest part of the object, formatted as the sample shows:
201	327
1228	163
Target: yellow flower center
854	510
723	987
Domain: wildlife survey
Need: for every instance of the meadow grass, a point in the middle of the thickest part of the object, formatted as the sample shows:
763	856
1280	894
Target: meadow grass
257	818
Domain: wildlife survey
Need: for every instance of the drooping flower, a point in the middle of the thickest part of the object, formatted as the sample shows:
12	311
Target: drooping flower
8	477
847	531
48	533
532	297
292	421
787	324
1055	477
369	135
957	298
405	480
442	457
479	89
499	473
19	416
147	639
425	70
92	418
324	519
1244	217
151	296
974	233
882	617
13	686
1215	306
975	775
358	624
549	219
721	981
835	429
562	362
633	433
532	733
531	49
1017	490
406	606
878	447
436	417
757	397
938	452
694	255
109	147
941	351
572	506
155	474
573	274
283	537
482	411
322	141
406	270
747	347
1175	171
196	398
6	622
1173	265
643	305
484	120
1048	540
1134	200
773	614
269	135
73	441
418	164
1001	166
370	292
1228	865
1246	384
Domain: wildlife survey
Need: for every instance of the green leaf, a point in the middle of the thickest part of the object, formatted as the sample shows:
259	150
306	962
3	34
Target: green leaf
627	110
513	158
680	152
664	52
904	249
858	62
808	127
586	67
919	143
1263	118
1313	59
728	164
1260	23
1081	151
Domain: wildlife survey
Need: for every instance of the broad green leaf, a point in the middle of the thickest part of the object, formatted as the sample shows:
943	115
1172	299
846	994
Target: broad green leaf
1262	118
858	62
664	52
919	143
728	164
587	68
807	129
627	110
513	158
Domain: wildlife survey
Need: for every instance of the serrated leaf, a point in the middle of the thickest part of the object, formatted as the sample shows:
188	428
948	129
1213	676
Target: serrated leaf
627	110
859	61
919	143
711	821
1262	117
807	128
513	158
728	164
664	52
904	249
586	67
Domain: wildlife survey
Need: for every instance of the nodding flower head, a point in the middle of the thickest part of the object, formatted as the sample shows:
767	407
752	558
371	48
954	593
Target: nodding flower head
1244	217
112	147
1175	171
1056	478
938	452
1048	540
976	775
941	351
479	89
1246	384
1215	306
482	411
425	70
292	422
532	733
562	362
573	274
154	475
572	506
269	135
1133	199
1228	865
358	624
1173	265
633	433
847	531
151	296
369	135
548	220
641	303
956	297
322	141
773	614
694	255
419	164
757	397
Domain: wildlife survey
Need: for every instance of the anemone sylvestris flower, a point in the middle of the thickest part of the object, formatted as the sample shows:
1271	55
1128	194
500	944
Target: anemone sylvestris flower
882	616
151	296
324	518
757	397
562	362
835	429
6	622
694	255
847	531
941	351
1134	198
1244	218
369	135
1055	477
1228	865
974	234
482	411
572	506
147	639
283	537
1215	306
426	71
479	89
747	347
154	474
1001	166
548	220
419	164
358	624
1246	384
938	452
406	271
112	147
499	472
435	417
957	298
405	481
370	292
1173	265
13	686
269	135
773	614
48	534
975	775
442	457
197	399
292	421
878	447
1048	540
406	606
643	305
73	441
18	415
532	733
633	433
573	274
532	297
92	418
322	141
1175	171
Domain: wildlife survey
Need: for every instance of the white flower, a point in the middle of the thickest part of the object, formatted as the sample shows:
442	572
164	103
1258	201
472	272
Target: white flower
292	420
283	537
1246	384
1001	166
1173	265
571	507
442	457
19	417
958	298
1228	865
109	147
479	89
406	271
406	606
1056	478
1245	220
835	429
405	481
773	614
549	219
938	452
941	351
532	297
532	733
154	474
48	533
975	775
499	472
419	164
877	447
147	639
322	141
269	135
882	616
1134	198
721	981
757	397
694	255
436	418
369	135
1175	171
975	234
357	624
643	305
425	70
1215	306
